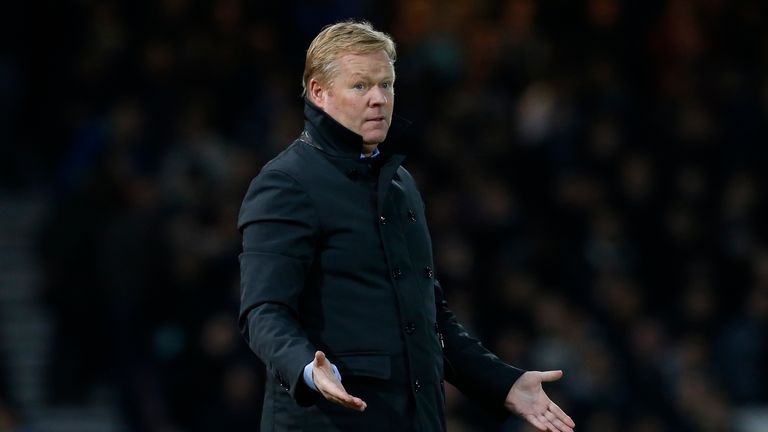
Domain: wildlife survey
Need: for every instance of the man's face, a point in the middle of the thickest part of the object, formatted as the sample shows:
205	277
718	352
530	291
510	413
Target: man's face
361	95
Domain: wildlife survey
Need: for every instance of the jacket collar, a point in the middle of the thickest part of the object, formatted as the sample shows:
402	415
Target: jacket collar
326	134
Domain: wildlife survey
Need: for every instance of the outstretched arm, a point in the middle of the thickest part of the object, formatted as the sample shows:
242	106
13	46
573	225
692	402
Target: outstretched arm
473	369
482	376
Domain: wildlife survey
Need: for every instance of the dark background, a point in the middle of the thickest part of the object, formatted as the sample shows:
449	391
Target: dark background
594	173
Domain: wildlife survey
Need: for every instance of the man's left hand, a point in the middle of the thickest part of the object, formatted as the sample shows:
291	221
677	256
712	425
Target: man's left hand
527	399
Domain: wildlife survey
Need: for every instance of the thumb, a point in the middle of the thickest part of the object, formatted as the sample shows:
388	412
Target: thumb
550	376
319	358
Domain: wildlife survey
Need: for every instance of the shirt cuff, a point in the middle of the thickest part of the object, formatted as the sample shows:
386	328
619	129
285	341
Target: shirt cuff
308	374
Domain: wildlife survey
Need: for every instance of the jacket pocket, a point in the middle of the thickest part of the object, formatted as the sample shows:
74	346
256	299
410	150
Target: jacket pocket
374	365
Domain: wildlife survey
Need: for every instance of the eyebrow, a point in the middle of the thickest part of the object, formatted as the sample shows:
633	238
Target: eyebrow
361	75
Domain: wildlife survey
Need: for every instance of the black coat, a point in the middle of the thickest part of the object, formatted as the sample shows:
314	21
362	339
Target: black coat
337	257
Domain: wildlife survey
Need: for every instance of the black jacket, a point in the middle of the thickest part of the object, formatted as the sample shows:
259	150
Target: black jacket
337	257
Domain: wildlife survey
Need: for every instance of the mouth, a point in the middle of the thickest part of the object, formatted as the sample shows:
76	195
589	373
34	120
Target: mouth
376	119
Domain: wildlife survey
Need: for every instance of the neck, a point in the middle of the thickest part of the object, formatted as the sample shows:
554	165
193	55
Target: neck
368	149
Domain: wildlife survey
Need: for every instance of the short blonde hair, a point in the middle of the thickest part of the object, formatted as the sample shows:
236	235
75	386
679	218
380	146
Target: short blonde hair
355	37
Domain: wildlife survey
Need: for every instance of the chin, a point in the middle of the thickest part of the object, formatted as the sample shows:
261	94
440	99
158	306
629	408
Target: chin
375	138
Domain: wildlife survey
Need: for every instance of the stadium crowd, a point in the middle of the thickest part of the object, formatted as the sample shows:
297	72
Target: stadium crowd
593	174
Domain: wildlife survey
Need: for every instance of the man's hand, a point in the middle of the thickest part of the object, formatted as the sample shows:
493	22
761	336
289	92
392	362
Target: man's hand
527	399
330	386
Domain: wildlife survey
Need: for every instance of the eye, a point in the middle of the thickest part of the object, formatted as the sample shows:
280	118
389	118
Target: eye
359	86
386	85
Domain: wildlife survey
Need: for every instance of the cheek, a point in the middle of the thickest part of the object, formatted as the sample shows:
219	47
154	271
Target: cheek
355	109
345	104
352	106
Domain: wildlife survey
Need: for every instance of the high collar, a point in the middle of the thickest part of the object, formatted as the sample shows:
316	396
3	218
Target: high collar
331	136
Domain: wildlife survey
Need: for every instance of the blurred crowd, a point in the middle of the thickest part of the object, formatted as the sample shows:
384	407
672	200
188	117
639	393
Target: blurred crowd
593	172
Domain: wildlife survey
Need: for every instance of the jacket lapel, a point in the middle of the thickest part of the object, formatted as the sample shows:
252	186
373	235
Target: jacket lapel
386	175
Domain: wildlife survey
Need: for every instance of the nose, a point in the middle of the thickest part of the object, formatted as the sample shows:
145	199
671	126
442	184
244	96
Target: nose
378	96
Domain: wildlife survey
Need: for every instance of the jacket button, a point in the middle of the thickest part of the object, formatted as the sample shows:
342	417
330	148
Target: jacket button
282	382
397	273
428	272
382	220
417	385
412	215
410	327
353	173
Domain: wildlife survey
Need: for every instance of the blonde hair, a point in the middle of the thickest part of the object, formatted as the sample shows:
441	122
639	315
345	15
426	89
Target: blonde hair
355	37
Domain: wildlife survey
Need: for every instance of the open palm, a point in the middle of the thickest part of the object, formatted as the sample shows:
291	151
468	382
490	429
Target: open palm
330	386
527	399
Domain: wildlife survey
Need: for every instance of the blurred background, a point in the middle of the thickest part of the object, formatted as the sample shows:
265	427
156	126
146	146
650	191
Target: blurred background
594	173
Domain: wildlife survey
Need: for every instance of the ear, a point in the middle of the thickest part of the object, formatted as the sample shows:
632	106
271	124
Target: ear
317	92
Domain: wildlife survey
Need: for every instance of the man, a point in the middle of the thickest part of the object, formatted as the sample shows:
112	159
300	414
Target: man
339	295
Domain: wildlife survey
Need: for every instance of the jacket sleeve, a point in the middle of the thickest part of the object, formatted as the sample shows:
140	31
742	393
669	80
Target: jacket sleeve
469	366
279	226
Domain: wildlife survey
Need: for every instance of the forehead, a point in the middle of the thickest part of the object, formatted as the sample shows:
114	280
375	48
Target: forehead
374	64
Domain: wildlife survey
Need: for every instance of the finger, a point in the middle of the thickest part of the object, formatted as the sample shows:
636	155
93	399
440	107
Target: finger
565	418
550	376
535	422
350	402
359	404
549	426
319	358
550	421
346	400
335	392
559	425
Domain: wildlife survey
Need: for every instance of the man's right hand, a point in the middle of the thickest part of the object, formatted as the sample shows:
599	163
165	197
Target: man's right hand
330	386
